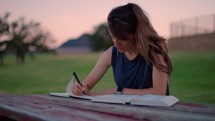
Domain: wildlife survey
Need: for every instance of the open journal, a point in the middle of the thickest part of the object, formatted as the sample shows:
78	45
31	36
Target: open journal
147	100
69	93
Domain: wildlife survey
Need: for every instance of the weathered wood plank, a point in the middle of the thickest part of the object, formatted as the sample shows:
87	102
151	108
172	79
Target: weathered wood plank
195	108
45	107
24	108
184	110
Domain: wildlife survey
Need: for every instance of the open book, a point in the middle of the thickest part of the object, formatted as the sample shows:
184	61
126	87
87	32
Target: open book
147	100
69	93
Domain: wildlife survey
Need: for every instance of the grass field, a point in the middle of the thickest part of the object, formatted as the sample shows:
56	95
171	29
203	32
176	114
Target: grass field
192	80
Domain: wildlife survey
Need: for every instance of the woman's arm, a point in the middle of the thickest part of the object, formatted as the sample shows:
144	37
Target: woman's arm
96	74
159	80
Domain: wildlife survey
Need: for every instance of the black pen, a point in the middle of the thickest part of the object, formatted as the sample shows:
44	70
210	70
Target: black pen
78	80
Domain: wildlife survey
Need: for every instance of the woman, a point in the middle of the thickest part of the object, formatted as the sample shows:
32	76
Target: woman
139	56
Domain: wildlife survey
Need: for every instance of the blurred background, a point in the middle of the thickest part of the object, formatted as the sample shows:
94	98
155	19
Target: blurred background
42	42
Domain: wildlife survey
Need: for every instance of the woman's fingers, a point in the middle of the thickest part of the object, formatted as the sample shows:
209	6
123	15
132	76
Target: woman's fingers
77	89
84	87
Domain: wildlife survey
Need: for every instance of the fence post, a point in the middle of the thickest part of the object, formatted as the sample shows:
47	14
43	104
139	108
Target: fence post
171	30
214	23
182	29
196	25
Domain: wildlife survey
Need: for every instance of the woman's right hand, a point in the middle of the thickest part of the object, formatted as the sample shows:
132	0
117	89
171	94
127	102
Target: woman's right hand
77	89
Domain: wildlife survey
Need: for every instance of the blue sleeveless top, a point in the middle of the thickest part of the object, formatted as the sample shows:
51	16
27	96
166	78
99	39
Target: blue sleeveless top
135	74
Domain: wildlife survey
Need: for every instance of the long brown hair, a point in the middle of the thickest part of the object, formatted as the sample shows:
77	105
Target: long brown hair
131	19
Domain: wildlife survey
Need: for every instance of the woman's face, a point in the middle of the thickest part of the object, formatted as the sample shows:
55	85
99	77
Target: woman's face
123	45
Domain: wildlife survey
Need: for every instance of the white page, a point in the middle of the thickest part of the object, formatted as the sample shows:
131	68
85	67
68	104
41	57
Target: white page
154	100
114	98
69	92
149	99
69	86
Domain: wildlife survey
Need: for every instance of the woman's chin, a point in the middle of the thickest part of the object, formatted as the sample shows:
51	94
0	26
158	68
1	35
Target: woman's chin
121	50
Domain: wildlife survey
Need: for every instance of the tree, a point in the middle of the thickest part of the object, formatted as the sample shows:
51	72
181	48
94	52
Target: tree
18	33
23	38
4	29
26	38
100	39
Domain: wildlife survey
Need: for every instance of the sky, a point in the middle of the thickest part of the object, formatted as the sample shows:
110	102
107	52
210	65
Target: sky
69	19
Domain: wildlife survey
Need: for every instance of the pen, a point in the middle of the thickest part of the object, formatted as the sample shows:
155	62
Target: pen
78	80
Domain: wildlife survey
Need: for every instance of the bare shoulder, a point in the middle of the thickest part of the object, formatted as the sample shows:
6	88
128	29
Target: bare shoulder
108	52
106	56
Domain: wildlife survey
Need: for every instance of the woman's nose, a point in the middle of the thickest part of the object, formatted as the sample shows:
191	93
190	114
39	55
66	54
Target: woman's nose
117	42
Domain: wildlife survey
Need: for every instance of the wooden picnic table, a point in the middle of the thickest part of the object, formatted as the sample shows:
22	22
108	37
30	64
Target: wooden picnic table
39	107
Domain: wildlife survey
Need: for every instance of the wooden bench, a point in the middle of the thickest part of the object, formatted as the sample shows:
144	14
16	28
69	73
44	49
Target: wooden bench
37	107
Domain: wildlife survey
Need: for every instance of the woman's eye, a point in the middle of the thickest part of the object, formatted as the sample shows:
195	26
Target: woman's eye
113	38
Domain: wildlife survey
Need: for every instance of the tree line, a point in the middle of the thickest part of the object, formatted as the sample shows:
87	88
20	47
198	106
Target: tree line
20	37
100	39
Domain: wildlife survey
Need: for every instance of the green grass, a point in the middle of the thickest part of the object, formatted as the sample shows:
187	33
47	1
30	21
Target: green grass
192	80
48	73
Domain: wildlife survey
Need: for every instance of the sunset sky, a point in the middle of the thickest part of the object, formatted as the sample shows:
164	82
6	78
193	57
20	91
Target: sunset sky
67	19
